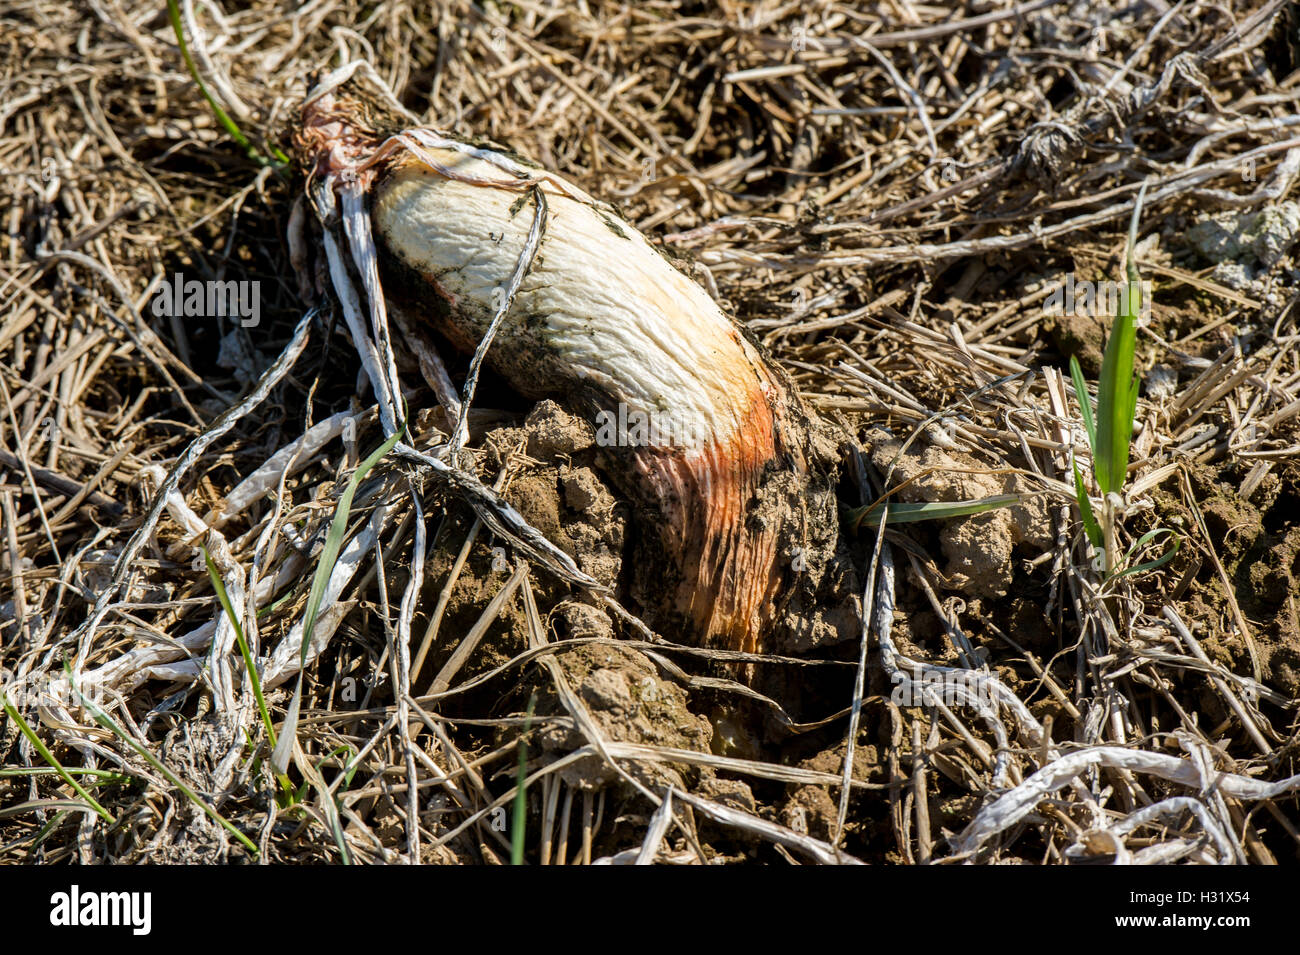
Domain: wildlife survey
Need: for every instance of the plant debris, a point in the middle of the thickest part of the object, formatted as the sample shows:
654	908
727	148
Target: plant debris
886	200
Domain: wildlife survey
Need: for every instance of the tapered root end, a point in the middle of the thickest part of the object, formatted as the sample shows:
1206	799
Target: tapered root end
720	524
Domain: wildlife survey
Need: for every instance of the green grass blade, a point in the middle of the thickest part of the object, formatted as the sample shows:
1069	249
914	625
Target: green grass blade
329	805
324	567
46	755
334	539
255	679
45	830
107	777
1160	561
174	14
519	824
1134	386
106	721
1114	399
1117	387
1085	402
1090	525
904	513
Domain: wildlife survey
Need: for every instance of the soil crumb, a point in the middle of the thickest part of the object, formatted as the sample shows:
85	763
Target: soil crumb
978	548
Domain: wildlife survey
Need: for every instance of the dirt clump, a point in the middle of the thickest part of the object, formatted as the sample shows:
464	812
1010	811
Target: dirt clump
978	548
1257	540
564	488
1080	334
811	809
559	491
629	702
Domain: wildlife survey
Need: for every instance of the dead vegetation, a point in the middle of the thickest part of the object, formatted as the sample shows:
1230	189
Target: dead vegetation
887	197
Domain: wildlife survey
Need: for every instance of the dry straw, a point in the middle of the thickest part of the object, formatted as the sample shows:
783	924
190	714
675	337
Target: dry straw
886	198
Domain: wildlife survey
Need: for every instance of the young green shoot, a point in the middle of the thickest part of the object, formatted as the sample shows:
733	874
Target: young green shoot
1110	430
324	567
250	666
520	820
174	14
12	712
909	512
103	719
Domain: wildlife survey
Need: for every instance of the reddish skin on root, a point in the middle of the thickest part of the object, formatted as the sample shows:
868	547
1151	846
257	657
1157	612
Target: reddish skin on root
601	321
